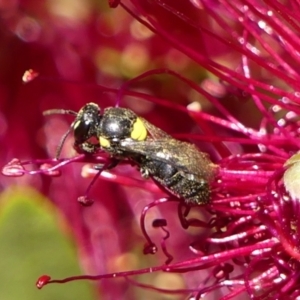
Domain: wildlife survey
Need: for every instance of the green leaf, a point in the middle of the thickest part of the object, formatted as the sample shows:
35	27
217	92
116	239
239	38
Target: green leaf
32	244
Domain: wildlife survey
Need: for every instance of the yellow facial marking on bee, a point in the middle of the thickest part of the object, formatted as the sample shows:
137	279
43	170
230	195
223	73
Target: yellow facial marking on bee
76	124
139	132
104	142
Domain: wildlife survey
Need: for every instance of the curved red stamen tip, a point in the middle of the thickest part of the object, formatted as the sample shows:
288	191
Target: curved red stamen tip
150	249
42	281
159	223
85	201
29	75
47	170
13	169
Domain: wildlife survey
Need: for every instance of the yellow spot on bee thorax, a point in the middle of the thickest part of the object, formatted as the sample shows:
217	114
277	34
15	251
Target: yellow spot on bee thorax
139	131
104	142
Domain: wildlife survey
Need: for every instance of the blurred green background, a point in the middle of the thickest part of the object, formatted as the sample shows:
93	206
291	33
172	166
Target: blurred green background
32	243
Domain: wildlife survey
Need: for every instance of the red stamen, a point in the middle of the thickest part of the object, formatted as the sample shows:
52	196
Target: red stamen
47	168
42	281
29	75
85	201
13	169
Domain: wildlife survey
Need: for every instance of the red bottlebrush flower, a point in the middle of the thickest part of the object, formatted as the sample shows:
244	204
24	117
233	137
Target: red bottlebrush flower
245	242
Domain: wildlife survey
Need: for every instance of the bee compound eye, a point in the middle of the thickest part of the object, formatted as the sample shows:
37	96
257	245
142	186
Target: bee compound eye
81	131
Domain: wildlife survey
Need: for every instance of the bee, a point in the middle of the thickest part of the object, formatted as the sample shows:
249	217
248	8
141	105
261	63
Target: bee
177	166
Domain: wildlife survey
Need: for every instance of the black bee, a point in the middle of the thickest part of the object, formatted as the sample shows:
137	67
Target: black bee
177	166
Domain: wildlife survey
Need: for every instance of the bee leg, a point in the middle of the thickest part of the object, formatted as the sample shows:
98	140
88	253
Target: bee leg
86	200
145	173
87	147
107	166
183	211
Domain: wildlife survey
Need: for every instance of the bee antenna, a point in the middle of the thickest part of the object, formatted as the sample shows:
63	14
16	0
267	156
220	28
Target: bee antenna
64	137
62	141
59	112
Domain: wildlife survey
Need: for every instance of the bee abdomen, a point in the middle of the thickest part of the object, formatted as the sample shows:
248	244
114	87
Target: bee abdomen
186	186
193	191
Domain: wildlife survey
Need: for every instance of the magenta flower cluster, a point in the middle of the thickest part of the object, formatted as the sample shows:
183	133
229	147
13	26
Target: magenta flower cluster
244	113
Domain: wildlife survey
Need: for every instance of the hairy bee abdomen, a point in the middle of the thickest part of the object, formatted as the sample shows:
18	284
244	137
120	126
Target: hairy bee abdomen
193	190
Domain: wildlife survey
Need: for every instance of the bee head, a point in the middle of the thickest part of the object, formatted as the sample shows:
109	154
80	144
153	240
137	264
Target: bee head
86	123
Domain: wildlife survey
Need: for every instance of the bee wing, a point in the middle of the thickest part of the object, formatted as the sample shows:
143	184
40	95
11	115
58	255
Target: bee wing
155	132
186	157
